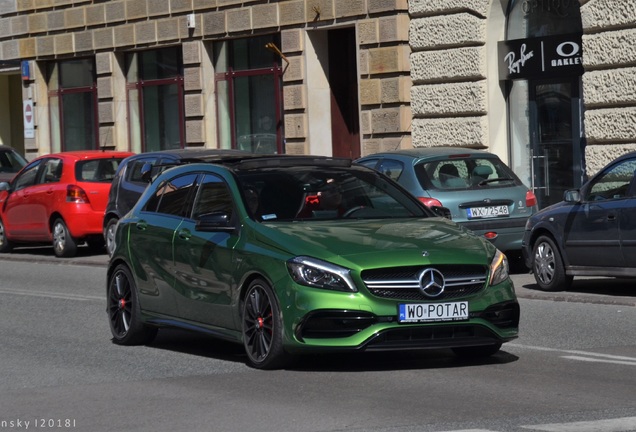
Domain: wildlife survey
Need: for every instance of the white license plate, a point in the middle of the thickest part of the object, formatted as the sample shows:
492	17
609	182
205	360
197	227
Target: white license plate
488	212
429	312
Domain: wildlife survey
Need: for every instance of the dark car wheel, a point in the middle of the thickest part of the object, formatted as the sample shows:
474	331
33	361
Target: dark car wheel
124	310
63	244
477	351
263	328
5	245
547	266
109	235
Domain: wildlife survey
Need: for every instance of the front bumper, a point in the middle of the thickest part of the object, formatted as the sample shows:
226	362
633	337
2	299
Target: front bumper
360	322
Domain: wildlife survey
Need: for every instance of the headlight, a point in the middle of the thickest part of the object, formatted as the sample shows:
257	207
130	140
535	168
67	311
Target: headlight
498	269
320	274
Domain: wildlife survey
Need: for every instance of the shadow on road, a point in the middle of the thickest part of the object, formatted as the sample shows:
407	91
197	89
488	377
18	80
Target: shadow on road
206	346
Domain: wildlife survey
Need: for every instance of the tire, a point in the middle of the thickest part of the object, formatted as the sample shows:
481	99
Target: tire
263	328
64	245
5	245
477	351
124	311
109	235
547	266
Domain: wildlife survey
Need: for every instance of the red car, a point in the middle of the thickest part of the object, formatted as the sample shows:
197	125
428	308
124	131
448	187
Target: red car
58	198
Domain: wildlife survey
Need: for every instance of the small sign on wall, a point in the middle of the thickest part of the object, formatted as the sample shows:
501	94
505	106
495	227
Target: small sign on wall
29	118
26	70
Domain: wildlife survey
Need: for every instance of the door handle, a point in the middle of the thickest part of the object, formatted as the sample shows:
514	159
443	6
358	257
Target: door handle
142	225
611	217
184	234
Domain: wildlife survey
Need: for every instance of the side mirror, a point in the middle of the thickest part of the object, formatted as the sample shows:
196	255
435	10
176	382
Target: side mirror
572	196
213	222
442	212
146	172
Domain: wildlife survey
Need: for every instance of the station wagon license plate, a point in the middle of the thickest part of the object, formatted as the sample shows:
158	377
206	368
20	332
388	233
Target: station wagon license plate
488	212
431	312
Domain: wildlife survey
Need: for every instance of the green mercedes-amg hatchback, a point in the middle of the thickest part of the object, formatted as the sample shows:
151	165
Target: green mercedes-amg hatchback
300	254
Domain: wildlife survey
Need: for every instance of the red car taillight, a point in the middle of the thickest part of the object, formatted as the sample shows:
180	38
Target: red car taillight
76	194
430	201
531	199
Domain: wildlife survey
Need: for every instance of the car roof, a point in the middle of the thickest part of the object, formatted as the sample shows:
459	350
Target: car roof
192	153
433	152
88	154
6	148
249	161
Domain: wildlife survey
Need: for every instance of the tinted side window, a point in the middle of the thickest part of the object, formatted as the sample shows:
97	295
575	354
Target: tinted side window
28	176
11	162
134	170
391	168
171	197
613	183
213	196
51	171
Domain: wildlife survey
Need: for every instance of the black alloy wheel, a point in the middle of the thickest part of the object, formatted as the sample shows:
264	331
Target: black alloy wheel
262	328
547	266
124	310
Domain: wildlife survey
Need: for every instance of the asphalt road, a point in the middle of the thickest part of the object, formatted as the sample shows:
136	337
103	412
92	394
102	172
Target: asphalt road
572	369
587	290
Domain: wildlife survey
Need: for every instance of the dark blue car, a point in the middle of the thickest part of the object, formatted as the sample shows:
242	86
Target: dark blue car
591	233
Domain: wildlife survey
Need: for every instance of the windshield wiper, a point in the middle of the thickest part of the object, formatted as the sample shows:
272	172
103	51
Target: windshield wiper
483	182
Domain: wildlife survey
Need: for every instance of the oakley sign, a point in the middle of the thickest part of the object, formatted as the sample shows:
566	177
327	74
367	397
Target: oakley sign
546	57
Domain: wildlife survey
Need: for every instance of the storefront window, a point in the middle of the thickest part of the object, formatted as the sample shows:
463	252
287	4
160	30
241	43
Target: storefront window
541	60
155	100
73	105
248	83
534	18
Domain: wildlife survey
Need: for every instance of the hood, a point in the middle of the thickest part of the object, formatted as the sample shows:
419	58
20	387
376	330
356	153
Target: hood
379	242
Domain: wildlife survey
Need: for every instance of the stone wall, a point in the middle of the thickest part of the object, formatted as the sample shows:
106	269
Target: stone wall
609	82
448	64
43	30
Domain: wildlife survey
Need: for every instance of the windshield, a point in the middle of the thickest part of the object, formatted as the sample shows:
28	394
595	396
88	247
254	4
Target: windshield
97	170
468	173
319	193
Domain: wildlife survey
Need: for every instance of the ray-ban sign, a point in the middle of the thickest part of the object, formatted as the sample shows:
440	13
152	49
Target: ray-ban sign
544	57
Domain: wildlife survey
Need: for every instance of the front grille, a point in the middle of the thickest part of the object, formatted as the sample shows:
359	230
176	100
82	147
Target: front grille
432	337
402	283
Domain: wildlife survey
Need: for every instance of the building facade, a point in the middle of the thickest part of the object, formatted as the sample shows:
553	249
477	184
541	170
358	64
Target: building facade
548	85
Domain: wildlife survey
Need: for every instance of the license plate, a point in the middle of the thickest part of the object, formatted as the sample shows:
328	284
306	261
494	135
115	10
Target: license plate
430	312
488	212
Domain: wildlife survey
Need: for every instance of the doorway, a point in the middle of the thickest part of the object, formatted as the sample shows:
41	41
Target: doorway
343	81
556	159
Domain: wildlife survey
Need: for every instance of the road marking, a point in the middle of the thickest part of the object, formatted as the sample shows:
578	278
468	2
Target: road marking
594	360
624	424
583	355
52	295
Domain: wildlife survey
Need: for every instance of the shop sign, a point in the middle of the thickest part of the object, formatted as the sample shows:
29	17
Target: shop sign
544	57
28	117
